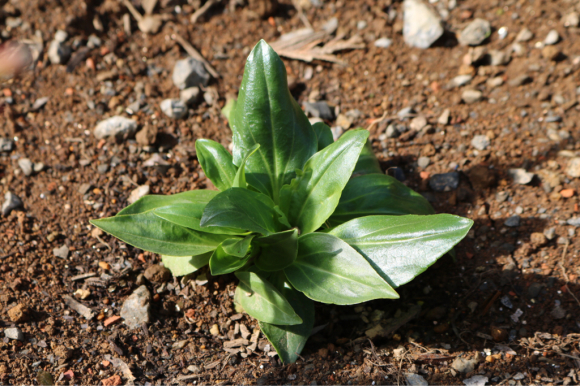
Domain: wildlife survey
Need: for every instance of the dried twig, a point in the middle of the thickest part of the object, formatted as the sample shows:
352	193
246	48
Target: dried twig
195	54
202	10
565	275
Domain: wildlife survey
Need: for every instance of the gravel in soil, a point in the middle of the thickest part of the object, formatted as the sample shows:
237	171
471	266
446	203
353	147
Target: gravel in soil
491	121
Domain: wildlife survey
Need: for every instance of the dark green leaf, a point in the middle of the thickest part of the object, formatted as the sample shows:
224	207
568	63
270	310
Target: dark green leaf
154	201
216	163
242	209
376	194
240	178
401	247
267	114
278	250
184	265
290	340
329	270
263	301
189	216
230	256
313	195
323	135
152	233
367	161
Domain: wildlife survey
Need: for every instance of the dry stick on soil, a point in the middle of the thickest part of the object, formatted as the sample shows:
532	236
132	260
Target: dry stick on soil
195	54
565	275
202	10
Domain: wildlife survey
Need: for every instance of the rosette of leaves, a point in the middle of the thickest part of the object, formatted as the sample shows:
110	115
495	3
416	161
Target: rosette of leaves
298	217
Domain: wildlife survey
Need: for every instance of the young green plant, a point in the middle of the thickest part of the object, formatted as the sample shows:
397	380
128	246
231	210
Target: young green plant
298	217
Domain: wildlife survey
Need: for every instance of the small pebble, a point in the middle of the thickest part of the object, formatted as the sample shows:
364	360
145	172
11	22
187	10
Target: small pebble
61	252
189	73
524	35
383	43
475	33
14	333
513	221
11	202
573	168
471	96
174	108
552	38
480	142
26	166
444	182
423	162
521	176
319	110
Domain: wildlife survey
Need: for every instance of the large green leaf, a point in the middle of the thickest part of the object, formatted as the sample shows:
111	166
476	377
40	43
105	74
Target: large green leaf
184	265
154	201
240	178
267	114
216	163
242	209
290	340
376	194
189	216
313	195
278	250
401	247
230	256
152	233
263	301
329	270
323	135
367	161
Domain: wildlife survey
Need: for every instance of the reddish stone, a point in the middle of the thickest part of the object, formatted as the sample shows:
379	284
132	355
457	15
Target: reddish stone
115	380
111	320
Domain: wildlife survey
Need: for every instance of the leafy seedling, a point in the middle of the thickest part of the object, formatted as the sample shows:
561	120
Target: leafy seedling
298	217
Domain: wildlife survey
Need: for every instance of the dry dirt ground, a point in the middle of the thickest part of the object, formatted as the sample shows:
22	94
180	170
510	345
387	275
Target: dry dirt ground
505	310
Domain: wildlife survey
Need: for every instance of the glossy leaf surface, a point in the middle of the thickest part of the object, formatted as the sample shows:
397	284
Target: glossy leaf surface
184	265
155	201
242	209
367	161
401	247
329	270
152	233
240	178
230	256
189	216
267	114
323	135
290	340
377	194
277	251
263	301
216	163
314	194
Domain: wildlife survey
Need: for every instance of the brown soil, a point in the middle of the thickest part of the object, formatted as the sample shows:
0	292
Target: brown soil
462	303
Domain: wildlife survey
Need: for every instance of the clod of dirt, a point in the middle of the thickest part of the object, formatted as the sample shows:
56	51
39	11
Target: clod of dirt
157	274
464	365
538	239
481	177
62	353
147	135
19	313
135	309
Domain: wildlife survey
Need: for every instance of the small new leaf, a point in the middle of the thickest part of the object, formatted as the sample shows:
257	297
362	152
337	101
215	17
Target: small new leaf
216	163
240	178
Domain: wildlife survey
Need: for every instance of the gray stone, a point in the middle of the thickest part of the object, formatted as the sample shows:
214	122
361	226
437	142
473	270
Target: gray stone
476	380
480	142
512	221
520	80
173	108
103	168
137	193
361	24
444	117
135	308
61	252
444	182
133	108
494	82
534	289
11	202
392	131
319	110
499	58
415	380
405	112
573	168
423	162
38	167
459	80
471	96
93	41
14	333
421	26
575	222
501	196
464	365
383	43
189	73
6	144
330	26
475	33
558	312
521	176
25	165
550	233
524	35
116	126
39	103
58	53
552	38
190	95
